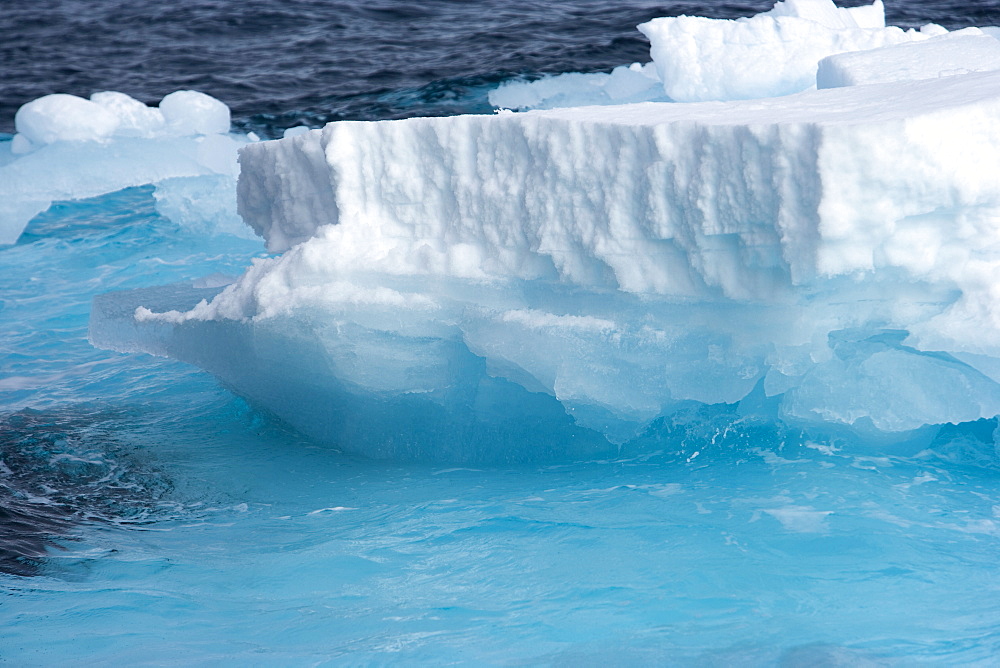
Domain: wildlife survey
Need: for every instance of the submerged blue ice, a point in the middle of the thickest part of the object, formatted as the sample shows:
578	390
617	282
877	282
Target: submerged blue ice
726	395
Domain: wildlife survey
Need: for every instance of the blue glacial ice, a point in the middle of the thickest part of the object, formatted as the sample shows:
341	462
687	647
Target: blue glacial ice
557	283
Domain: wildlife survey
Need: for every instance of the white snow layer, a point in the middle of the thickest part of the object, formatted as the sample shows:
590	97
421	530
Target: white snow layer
68	147
551	278
771	54
959	52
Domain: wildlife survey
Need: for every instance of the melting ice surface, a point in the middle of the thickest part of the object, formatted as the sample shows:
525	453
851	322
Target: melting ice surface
743	353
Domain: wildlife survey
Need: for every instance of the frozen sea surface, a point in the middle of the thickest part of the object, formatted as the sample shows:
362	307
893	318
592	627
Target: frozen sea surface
149	516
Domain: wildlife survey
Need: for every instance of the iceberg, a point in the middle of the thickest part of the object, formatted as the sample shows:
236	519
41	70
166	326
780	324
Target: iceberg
69	148
561	282
554	282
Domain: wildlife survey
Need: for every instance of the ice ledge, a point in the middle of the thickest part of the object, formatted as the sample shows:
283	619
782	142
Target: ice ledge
338	382
464	383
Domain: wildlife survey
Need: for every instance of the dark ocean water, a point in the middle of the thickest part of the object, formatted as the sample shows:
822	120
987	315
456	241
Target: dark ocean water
280	64
148	516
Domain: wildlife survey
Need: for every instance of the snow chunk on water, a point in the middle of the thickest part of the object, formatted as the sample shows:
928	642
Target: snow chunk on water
70	148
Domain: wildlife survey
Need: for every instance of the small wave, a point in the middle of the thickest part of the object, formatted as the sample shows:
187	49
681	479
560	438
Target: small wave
63	469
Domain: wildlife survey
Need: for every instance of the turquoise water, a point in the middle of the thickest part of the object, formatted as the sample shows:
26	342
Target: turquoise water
150	516
189	528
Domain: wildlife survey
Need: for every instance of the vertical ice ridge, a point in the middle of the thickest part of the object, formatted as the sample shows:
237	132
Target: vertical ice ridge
667	208
299	178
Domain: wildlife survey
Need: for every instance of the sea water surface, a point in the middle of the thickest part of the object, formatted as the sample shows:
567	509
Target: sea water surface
149	516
